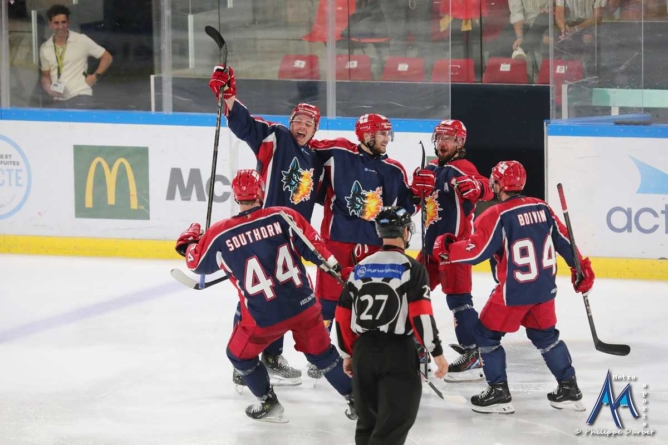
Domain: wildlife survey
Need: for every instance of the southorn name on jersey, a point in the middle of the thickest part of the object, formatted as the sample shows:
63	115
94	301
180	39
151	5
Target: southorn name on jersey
254	235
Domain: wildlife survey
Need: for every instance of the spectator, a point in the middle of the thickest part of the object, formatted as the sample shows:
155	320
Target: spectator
64	61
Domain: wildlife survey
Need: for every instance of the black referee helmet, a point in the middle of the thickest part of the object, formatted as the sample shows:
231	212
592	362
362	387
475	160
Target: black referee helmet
391	221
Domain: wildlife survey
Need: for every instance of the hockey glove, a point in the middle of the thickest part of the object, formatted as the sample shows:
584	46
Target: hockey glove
424	182
223	79
441	249
191	235
469	187
588	276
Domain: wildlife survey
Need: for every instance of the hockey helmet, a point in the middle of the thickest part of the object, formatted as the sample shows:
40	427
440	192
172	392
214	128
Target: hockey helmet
391	221
510	175
247	185
371	123
450	127
307	110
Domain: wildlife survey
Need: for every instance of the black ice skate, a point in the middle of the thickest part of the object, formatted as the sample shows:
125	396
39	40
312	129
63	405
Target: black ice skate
567	396
268	409
495	399
350	412
239	384
314	372
280	371
467	367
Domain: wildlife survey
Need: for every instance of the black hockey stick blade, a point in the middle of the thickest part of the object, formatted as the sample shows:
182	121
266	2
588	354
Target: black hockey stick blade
215	35
447	397
193	284
608	348
423	164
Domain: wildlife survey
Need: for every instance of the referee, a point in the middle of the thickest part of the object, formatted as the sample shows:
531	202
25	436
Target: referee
384	304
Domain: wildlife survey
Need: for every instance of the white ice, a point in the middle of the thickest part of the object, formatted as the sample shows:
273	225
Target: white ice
102	351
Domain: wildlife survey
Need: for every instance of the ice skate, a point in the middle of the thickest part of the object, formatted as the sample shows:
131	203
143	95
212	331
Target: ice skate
467	367
350	412
280	371
567	396
495	399
314	372
239	384
268	409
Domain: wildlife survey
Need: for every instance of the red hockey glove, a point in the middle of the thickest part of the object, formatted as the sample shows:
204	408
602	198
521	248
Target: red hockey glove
190	235
441	249
424	182
223	78
469	187
588	276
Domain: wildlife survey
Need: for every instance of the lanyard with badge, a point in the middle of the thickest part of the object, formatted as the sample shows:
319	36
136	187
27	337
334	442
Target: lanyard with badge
57	86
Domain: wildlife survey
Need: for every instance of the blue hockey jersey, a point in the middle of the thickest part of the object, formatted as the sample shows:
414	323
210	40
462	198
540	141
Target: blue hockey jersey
291	173
446	210
522	235
359	185
263	257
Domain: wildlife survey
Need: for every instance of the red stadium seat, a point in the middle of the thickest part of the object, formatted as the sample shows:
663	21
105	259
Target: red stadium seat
299	66
344	8
403	69
353	67
461	70
563	71
505	70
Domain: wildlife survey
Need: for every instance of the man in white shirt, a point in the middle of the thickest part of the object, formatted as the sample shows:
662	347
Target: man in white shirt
64	61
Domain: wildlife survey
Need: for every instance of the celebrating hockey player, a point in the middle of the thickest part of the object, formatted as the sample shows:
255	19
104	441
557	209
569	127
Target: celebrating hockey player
263	257
384	305
522	235
290	170
450	209
359	180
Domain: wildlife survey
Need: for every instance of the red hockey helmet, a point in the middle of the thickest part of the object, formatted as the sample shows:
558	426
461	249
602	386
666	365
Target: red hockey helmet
450	128
510	175
247	185
371	123
307	110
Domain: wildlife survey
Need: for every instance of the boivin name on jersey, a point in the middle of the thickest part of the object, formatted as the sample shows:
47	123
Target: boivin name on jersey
254	235
531	217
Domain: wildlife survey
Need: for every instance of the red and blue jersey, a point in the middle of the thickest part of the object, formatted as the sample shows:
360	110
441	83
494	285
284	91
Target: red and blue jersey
358	186
446	210
522	236
291	173
263	257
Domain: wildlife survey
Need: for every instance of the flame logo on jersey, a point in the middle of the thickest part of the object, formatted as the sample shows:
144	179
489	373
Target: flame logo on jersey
298	182
432	209
364	204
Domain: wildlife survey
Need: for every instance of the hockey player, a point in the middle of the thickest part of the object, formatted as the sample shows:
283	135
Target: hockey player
450	209
359	181
522	235
384	305
288	166
263	257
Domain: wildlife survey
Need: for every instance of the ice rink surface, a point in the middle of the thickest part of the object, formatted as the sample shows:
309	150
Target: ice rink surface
111	351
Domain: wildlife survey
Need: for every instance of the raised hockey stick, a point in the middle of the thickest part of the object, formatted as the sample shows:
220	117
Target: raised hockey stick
423	212
189	282
222	56
606	348
311	247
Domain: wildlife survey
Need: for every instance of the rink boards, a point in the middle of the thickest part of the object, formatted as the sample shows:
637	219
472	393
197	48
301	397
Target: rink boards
126	184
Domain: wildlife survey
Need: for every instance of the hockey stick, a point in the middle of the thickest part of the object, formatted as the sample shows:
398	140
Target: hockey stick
423	211
308	243
189	282
222	56
606	348
425	376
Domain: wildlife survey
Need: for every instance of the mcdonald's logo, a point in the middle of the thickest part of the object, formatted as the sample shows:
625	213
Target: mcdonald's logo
117	192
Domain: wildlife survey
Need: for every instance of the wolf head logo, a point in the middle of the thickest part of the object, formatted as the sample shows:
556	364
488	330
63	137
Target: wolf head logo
364	204
298	182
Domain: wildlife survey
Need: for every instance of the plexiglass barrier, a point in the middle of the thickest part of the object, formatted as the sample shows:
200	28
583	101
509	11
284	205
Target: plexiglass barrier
348	57
608	58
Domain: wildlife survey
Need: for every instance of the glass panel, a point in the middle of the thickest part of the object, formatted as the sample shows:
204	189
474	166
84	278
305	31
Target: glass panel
611	63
